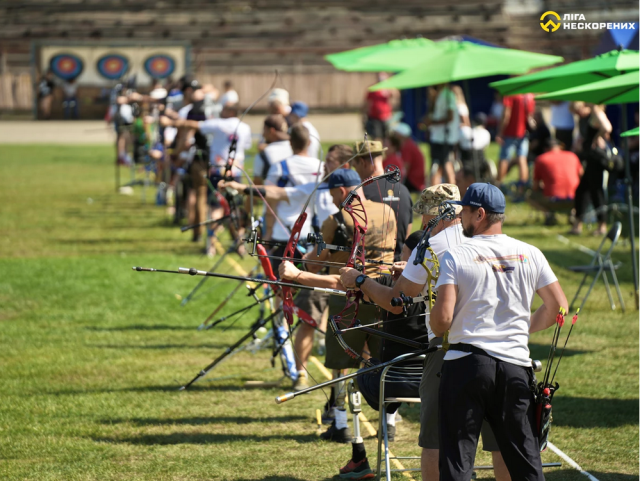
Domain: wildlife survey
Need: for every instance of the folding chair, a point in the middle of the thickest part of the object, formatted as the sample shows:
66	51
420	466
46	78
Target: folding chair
600	264
396	374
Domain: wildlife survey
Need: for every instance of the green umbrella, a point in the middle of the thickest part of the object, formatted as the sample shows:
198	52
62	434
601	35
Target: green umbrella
631	133
353	60
582	72
621	89
452	60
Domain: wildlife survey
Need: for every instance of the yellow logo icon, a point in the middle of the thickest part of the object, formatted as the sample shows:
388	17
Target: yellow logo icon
554	26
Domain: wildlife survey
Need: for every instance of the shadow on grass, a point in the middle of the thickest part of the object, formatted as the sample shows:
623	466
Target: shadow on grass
206	420
205	438
541	351
579	412
141	327
576	412
283	478
161	346
572	257
142	389
565	474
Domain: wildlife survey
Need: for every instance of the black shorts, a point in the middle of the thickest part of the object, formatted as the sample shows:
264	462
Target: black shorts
369	386
478	387
376	128
440	153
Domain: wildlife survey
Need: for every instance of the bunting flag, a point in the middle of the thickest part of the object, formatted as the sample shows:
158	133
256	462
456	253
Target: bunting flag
112	66
159	66
66	66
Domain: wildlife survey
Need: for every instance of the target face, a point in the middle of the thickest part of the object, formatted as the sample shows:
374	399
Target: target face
112	66
66	66
159	66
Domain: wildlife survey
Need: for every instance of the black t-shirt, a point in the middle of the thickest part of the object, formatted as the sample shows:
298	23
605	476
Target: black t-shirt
397	197
412	328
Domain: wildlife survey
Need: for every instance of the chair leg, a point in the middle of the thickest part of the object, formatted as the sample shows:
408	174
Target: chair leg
593	283
577	292
617	286
382	420
387	462
606	285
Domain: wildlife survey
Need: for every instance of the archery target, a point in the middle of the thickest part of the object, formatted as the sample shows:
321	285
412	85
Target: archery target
159	66
66	66
112	66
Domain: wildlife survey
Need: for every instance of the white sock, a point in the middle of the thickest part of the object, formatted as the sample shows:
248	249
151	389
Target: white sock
391	419
341	418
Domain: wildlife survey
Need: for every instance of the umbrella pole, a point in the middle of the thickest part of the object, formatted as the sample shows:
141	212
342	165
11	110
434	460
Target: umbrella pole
627	182
476	167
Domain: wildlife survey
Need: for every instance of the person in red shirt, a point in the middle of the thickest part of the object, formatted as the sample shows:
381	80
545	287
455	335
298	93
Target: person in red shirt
556	177
512	134
394	157
378	110
411	157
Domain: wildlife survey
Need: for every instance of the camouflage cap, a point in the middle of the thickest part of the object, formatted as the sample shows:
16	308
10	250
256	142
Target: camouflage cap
364	147
433	196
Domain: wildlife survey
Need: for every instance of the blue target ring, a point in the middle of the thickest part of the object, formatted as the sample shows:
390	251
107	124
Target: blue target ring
112	66
159	66
66	66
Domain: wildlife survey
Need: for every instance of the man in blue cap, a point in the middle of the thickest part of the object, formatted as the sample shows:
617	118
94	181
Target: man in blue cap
485	290
299	111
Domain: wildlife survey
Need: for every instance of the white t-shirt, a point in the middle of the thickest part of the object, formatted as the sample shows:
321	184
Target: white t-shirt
274	152
445	101
223	131
481	137
497	277
322	202
184	111
230	97
314	140
440	243
302	170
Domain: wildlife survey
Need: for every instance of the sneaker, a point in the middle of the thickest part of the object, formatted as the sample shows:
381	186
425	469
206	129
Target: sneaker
391	432
300	383
360	470
337	435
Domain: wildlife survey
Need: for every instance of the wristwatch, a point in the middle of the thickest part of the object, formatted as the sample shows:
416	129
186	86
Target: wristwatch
360	280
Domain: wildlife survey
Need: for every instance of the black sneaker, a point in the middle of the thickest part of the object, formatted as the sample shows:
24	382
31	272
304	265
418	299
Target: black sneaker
391	432
337	435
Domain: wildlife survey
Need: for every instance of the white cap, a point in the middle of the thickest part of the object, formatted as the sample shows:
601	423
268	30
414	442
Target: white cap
280	95
402	129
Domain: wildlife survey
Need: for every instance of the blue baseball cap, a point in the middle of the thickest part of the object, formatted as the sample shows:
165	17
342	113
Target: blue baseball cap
300	109
487	196
344	178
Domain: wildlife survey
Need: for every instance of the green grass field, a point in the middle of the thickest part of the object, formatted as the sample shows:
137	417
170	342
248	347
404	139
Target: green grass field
92	353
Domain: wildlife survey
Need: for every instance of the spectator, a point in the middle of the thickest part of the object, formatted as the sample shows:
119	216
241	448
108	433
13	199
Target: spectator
473	142
556	176
597	159
70	102
461	103
277	147
444	129
378	111
563	123
411	157
230	96
495	114
299	111
539	134
512	134
583	110
279	102
394	157
45	95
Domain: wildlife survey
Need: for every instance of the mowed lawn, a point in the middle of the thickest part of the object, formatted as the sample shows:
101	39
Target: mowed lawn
92	353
